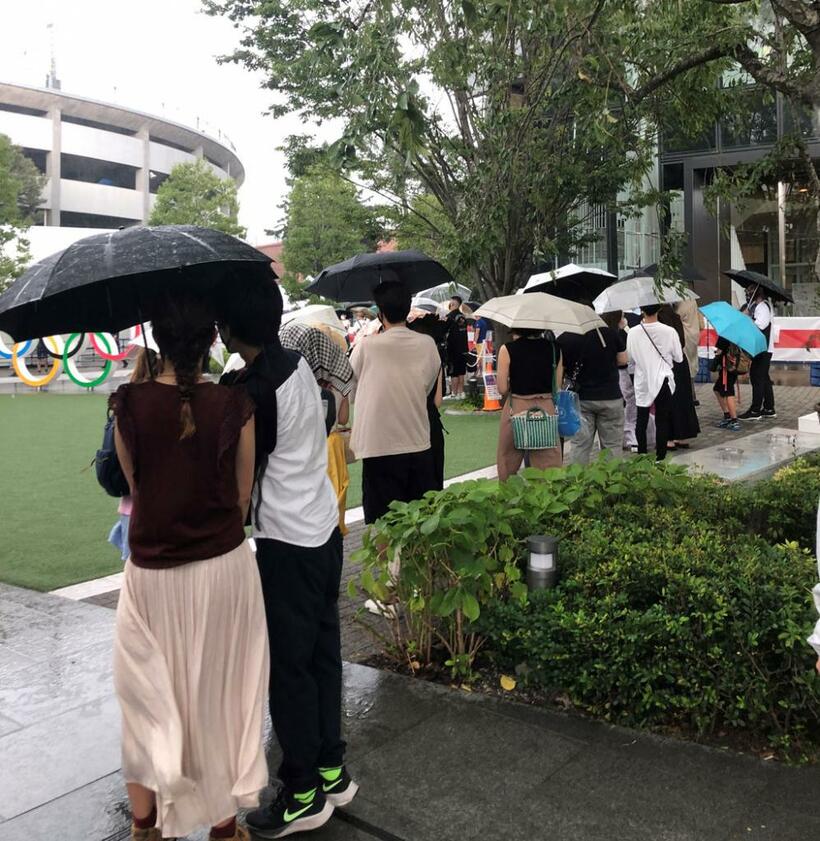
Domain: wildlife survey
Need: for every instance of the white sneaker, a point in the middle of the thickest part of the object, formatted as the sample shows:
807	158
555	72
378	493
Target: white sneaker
377	608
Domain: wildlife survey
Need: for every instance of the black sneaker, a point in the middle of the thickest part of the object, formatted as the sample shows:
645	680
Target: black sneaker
290	813
769	414
750	416
337	785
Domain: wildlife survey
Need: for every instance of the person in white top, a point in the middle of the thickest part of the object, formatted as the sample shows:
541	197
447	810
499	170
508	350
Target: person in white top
762	407
294	515
396	371
653	348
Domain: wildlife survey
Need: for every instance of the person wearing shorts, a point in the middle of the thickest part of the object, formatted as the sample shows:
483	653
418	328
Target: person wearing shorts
725	390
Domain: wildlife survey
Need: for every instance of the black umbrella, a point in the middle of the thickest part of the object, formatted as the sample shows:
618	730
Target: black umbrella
571	282
773	289
108	282
356	278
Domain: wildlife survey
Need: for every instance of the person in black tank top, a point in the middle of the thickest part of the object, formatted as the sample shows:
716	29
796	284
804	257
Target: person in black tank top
527	368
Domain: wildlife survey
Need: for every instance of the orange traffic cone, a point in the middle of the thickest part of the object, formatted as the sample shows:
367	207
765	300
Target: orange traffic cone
491	395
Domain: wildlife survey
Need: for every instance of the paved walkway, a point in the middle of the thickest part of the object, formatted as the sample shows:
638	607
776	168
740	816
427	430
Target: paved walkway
434	764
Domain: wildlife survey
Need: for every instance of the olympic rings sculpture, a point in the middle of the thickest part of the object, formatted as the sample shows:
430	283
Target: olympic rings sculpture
63	353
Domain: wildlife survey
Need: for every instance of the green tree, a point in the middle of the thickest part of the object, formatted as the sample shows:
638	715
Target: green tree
326	223
500	110
193	194
425	226
21	187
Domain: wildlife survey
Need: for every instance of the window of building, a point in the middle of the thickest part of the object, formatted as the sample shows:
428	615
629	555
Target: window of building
799	119
37	157
156	179
82	121
94	171
21	109
752	125
69	219
677	140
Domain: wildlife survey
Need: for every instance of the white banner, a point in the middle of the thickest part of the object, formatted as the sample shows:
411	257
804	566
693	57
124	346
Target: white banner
793	340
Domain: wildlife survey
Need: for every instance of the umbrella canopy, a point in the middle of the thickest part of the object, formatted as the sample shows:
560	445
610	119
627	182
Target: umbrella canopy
420	302
540	311
573	282
444	291
106	282
750	279
735	327
687	272
638	292
356	278
316	314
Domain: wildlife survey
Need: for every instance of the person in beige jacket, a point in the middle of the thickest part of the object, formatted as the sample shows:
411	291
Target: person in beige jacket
690	316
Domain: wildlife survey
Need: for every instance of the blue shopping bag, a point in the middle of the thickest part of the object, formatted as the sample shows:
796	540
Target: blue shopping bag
569	413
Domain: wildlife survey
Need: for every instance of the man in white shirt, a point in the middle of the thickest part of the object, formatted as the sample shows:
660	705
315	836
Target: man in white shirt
760	309
653	348
396	372
294	516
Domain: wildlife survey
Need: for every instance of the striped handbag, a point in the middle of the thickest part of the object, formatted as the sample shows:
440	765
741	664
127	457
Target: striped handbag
534	429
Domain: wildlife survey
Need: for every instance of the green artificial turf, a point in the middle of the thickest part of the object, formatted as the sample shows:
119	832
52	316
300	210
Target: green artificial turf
55	519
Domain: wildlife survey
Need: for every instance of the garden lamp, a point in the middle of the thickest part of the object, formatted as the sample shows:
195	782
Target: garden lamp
542	564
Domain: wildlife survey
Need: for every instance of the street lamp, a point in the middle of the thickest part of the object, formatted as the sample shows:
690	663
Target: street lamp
542	571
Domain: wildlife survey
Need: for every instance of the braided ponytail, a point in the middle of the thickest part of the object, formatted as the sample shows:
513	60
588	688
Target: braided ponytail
184	330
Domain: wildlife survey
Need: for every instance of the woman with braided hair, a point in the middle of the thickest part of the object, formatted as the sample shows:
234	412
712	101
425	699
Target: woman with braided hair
191	648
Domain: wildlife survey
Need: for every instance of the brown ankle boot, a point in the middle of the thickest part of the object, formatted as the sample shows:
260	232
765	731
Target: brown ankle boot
241	834
150	834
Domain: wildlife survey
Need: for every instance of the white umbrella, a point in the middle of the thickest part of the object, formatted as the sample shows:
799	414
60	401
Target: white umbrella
316	314
444	291
539	311
428	304
639	292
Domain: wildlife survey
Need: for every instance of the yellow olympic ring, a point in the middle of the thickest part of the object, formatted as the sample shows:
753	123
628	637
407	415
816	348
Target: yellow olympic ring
21	368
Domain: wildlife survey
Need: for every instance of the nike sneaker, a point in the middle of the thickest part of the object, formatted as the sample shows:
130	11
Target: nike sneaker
290	813
337	785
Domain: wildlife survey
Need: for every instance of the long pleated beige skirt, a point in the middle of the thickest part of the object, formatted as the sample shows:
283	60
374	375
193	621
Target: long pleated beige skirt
191	674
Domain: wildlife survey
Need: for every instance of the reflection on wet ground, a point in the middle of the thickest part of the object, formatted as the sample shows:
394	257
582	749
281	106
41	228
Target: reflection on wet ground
434	764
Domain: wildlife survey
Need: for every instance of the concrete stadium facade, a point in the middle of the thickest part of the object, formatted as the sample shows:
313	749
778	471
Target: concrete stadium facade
104	163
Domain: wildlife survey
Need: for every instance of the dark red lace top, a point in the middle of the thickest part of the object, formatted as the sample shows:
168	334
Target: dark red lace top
186	500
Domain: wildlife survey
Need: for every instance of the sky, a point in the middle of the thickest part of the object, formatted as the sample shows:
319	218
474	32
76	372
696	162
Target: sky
158	56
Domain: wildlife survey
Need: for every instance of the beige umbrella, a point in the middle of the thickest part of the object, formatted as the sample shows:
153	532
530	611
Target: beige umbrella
539	311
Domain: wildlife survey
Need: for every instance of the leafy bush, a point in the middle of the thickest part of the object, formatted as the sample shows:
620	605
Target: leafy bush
444	556
678	624
673	605
785	506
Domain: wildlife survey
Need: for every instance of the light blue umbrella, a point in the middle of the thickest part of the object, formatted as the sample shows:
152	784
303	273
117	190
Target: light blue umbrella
735	327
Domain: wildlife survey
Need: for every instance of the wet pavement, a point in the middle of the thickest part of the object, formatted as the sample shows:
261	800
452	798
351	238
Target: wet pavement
434	764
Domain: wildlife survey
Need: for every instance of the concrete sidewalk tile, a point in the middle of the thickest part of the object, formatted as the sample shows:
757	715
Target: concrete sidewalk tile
12	661
8	725
90	813
57	756
768	823
58	684
452	772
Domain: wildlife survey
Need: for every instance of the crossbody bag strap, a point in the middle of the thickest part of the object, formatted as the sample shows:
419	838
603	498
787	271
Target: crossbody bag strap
654	345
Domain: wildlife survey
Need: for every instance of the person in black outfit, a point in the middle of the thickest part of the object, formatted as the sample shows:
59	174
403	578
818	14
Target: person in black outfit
457	347
725	387
684	422
760	309
591	362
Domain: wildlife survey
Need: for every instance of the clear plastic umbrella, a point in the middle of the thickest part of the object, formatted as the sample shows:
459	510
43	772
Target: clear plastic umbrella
444	291
639	292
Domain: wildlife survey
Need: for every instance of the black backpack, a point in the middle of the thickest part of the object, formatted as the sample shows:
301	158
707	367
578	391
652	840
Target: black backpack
109	473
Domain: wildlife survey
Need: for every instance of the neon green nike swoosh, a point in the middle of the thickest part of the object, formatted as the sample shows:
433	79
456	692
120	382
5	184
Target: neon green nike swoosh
291	816
331	786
